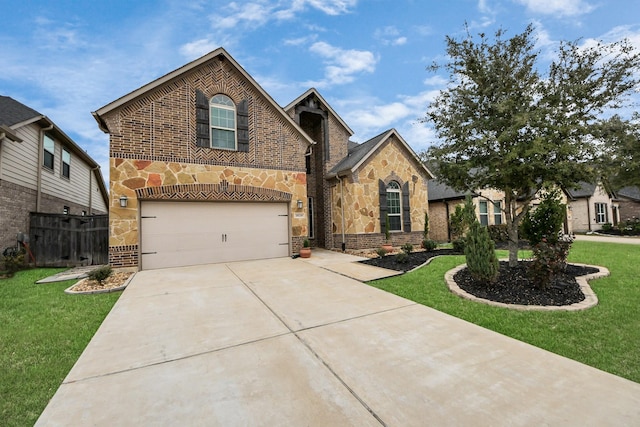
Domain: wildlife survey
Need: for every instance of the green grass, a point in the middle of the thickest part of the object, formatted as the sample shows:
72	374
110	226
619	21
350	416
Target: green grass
43	331
606	336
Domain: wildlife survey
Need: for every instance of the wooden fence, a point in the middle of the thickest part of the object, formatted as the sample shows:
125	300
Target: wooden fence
58	240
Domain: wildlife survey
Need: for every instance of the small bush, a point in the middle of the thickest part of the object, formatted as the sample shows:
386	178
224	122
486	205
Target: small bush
425	233
607	226
458	245
305	243
549	259
429	245
498	233
480	254
13	262
407	248
381	252
100	274
402	257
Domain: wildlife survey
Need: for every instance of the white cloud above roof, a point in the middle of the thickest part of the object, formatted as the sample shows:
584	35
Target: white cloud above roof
558	7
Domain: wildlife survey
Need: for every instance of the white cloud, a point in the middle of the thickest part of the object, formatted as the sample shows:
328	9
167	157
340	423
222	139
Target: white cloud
197	48
558	7
390	36
342	65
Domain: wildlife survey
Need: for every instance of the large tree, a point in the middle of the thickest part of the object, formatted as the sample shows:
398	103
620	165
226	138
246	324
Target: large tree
503	124
620	159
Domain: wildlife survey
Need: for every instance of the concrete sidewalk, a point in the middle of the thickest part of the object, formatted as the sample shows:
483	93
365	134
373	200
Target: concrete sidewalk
286	342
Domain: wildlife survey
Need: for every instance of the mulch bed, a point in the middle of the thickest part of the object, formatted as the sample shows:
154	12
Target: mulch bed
415	259
513	285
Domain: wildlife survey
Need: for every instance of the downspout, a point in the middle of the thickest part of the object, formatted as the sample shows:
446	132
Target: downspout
344	246
446	207
39	166
91	189
589	212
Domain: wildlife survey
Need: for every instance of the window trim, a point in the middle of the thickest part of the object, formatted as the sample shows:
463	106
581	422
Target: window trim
231	106
45	151
393	187
483	217
497	212
63	163
604	214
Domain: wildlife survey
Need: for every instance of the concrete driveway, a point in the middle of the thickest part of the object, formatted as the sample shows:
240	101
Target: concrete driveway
286	342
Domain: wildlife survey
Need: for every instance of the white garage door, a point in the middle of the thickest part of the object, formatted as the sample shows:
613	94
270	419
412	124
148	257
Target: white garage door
188	233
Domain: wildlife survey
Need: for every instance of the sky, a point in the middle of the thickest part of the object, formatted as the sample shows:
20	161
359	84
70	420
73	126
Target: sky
367	58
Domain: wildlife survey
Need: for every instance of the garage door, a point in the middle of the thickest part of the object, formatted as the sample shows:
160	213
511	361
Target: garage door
188	233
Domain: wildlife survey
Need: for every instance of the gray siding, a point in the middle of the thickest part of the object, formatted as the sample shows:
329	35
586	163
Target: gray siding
19	160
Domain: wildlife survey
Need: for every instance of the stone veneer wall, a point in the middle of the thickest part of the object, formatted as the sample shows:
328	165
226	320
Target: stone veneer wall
362	204
153	144
132	178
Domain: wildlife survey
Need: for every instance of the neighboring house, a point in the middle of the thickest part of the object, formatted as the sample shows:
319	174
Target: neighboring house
444	199
628	199
488	203
207	167
42	170
591	206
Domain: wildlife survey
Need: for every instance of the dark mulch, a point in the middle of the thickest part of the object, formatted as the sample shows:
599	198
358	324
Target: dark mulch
414	260
515	287
512	287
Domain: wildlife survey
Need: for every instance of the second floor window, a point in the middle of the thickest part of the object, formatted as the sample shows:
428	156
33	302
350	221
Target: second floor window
66	163
223	122
49	147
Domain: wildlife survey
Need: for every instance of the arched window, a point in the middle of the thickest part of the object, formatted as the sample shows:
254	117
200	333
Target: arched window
394	206
222	122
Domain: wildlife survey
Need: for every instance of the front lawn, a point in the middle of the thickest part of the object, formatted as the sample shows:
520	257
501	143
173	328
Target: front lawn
606	336
43	331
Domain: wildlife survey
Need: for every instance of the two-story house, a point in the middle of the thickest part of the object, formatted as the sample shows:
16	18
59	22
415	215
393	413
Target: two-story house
42	170
206	167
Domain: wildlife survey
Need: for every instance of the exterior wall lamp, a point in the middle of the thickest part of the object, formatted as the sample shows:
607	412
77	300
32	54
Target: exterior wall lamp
299	204
123	201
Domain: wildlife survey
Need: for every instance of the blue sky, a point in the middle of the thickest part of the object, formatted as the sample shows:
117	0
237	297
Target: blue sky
368	58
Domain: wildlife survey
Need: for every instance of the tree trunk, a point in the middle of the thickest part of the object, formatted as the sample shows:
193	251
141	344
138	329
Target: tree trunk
512	227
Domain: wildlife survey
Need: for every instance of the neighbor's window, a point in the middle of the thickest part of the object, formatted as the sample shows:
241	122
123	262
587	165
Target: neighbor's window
497	212
223	122
601	213
394	209
48	154
66	163
484	213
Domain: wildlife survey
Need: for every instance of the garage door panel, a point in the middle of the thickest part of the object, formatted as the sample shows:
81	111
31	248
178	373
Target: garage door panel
190	233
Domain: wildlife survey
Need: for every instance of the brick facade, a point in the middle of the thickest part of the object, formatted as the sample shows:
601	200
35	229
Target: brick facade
17	202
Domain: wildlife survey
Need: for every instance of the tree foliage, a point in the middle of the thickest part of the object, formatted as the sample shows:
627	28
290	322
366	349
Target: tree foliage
504	125
620	159
545	221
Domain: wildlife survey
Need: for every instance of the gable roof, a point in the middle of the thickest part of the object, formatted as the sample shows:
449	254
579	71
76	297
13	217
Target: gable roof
362	152
315	92
219	52
632	193
13	112
584	189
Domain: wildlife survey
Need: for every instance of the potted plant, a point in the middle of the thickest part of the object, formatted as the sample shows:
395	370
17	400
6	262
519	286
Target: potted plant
387	236
305	251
